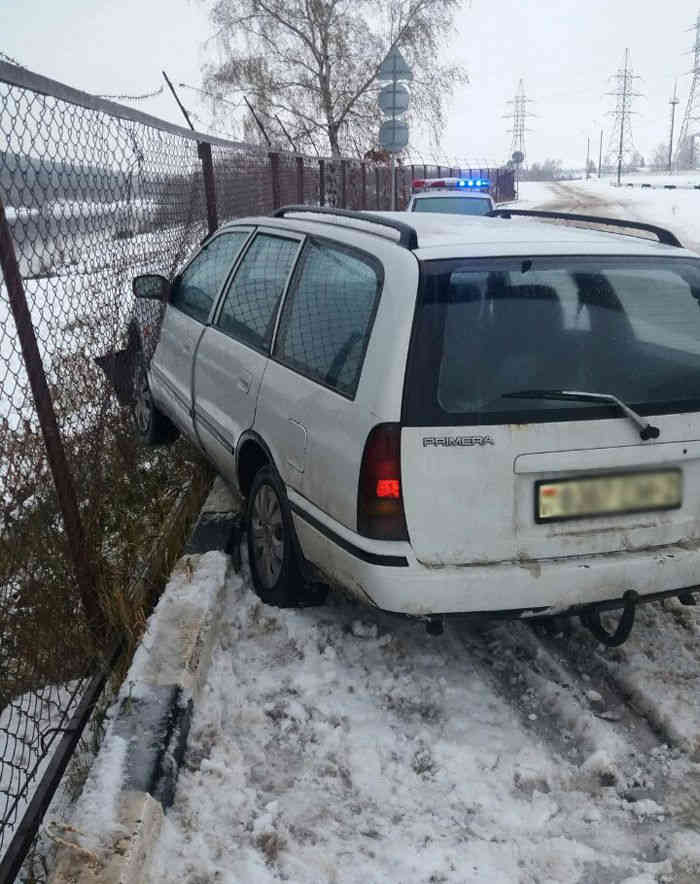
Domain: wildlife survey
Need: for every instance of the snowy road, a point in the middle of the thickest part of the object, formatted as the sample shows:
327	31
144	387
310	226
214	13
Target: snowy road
340	745
343	745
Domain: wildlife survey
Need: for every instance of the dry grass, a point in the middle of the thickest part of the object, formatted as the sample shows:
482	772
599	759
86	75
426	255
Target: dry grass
125	493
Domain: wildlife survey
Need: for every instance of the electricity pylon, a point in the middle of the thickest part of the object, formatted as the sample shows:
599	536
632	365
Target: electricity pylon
621	143
690	128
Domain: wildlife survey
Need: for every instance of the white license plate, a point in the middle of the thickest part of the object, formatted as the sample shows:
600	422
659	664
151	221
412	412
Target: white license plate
607	495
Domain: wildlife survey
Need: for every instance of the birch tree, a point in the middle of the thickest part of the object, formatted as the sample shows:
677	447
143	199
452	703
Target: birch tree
309	66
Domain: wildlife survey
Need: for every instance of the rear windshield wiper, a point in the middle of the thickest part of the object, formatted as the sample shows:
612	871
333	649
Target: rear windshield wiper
646	431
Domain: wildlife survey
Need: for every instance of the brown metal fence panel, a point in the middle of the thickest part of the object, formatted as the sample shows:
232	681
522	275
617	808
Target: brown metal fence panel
312	182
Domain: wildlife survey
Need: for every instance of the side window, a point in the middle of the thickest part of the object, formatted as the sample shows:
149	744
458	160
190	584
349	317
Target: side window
328	315
250	306
199	284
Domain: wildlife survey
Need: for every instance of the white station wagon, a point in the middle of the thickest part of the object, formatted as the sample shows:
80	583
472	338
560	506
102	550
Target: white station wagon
443	415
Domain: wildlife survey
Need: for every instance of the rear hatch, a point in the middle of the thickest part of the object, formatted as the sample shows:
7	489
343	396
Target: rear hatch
494	467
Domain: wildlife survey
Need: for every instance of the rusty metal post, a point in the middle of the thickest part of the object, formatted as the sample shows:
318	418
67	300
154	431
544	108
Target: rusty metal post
378	195
322	181
204	151
300	180
55	453
275	176
363	167
343	184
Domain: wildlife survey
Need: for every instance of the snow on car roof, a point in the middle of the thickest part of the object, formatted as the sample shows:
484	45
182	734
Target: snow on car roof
443	235
439	234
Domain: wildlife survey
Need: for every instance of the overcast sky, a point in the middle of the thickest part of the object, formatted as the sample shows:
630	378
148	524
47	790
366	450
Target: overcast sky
565	51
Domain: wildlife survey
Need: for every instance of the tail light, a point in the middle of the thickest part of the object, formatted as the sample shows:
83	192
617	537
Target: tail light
380	512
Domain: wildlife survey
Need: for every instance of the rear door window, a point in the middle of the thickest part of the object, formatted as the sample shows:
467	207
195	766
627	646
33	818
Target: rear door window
328	315
249	309
486	330
198	286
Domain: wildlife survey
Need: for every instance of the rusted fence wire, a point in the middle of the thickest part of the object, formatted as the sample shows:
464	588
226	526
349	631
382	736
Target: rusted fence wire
92	194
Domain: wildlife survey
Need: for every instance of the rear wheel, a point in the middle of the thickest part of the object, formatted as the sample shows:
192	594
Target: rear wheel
272	546
152	425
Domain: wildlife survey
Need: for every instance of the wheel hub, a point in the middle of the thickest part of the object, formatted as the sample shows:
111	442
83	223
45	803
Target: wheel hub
268	536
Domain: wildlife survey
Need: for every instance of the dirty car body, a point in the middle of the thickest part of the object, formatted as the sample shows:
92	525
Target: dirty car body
454	418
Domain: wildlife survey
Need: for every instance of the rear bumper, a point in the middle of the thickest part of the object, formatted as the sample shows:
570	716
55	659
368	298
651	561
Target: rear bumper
520	588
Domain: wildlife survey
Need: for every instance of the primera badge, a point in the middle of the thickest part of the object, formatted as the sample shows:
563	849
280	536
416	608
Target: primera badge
456	441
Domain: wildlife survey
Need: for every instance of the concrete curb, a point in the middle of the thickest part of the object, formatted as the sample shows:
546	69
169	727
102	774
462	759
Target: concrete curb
154	714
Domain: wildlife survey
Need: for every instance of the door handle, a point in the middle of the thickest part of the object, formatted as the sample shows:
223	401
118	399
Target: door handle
188	345
244	384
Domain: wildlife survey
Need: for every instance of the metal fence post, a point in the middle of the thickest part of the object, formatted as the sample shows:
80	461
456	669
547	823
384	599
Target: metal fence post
275	176
343	184
300	179
204	151
55	453
363	166
376	183
322	182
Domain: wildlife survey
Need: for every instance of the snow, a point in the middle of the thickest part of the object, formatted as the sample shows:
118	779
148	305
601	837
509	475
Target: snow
99	802
677	210
339	744
27	724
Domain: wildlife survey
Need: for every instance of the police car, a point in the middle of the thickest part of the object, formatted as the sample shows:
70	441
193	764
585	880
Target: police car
453	196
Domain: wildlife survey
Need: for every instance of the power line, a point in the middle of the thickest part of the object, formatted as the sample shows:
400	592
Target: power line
621	142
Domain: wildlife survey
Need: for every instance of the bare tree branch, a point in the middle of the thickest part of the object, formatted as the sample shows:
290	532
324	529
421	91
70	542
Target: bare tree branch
315	62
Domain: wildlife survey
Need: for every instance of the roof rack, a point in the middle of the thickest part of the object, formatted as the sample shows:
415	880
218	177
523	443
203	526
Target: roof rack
408	238
664	236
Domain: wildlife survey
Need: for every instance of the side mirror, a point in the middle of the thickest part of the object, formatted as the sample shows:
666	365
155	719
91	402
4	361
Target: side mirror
151	286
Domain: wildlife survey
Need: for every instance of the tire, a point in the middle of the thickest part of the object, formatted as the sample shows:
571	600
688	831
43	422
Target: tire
153	427
273	551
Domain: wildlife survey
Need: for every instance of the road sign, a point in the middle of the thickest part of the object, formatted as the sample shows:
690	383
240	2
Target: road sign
393	135
394	67
393	99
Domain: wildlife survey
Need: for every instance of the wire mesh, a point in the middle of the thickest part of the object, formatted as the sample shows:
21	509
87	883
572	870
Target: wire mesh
90	200
93	195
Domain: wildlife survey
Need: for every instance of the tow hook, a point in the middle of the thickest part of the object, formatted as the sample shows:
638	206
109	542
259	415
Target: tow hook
434	625
591	620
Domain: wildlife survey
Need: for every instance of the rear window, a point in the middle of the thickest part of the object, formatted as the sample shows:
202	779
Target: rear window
453	205
487	329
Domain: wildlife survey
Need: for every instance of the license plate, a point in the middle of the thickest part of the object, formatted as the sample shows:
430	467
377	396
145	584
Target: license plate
607	495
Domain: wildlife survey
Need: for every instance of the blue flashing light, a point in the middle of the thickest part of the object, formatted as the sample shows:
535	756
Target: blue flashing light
461	183
470	183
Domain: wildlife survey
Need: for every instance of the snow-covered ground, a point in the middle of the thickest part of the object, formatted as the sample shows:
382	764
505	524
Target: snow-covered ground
342	745
678	210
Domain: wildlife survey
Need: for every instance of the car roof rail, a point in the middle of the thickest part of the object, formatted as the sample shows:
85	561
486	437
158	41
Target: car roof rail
408	238
664	236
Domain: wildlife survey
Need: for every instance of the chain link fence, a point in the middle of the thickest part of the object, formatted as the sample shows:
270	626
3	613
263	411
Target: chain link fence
92	194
